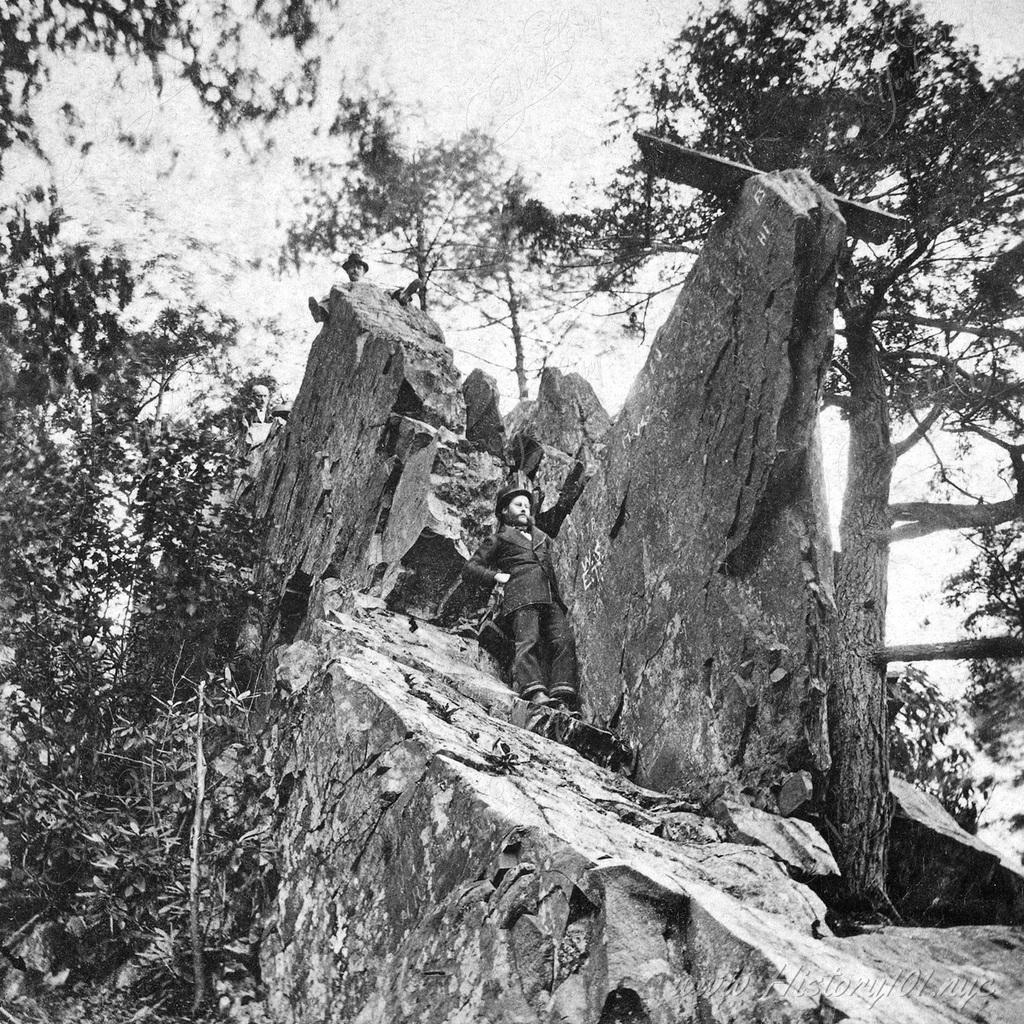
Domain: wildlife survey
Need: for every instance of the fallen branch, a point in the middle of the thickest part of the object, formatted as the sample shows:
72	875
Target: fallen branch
954	650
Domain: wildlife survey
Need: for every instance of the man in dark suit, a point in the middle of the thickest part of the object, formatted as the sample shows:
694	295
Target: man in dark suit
518	556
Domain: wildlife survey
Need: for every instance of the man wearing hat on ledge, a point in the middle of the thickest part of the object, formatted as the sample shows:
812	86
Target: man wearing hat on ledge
356	267
518	556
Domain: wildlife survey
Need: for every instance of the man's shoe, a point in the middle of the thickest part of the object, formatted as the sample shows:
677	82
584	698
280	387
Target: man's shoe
563	708
534	693
405	295
317	309
564	693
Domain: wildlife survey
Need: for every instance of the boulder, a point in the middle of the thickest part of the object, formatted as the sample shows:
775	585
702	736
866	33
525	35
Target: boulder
554	440
440	509
566	414
797	843
438	864
484	425
939	873
698	563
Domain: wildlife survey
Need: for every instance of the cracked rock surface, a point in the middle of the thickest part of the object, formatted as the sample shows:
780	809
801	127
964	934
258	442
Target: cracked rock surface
698	560
438	864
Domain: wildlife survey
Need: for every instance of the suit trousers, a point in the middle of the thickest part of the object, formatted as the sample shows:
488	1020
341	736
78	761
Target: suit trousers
534	626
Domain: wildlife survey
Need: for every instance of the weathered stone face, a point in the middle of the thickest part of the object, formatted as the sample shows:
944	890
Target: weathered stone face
371	481
437	865
484	425
698	561
566	414
439	512
940	874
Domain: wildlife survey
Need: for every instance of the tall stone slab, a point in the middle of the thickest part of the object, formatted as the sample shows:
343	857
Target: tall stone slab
698	561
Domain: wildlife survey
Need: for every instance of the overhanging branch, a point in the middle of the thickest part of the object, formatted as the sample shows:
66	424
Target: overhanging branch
902	447
954	650
924	517
947	325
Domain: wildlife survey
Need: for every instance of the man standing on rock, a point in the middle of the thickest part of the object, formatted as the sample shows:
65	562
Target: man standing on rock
518	556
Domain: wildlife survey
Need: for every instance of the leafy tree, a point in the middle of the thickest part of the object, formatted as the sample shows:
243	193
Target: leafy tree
475	235
922	749
879	104
123	578
991	591
211	46
508	279
427	204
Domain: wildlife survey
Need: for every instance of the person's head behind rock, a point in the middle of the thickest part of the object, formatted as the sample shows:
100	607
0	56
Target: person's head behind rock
355	266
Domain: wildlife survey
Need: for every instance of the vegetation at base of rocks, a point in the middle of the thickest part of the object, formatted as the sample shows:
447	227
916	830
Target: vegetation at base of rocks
111	1007
126	572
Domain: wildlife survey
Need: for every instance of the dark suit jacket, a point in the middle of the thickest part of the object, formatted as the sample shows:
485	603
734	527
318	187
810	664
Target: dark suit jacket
526	559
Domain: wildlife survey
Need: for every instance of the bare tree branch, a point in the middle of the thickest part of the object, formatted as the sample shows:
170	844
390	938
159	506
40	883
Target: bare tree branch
900	448
925	517
946	325
953	650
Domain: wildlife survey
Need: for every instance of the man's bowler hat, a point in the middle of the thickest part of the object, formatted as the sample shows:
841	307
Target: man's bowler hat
506	494
354	259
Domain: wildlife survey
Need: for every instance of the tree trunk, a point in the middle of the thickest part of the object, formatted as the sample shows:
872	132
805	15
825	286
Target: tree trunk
858	806
421	258
517	332
195	863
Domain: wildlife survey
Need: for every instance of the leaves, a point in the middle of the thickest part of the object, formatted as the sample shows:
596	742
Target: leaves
124	576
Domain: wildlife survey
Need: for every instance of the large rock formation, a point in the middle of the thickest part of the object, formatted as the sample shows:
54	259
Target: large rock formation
484	425
439	866
940	874
372	481
566	414
698	560
439	863
553	442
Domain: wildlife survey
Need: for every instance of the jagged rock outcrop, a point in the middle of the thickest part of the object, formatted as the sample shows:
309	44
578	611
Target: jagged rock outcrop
797	843
940	874
484	425
553	441
436	862
566	414
698	559
438	865
372	480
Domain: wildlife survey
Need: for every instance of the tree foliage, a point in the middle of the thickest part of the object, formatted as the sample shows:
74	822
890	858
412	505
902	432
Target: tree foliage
450	210
926	750
124	576
215	47
427	205
990	591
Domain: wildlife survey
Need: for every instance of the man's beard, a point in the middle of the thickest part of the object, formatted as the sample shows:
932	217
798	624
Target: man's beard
511	519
